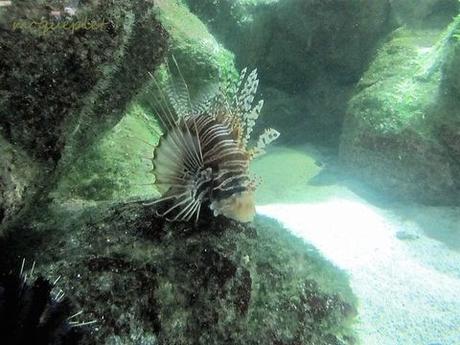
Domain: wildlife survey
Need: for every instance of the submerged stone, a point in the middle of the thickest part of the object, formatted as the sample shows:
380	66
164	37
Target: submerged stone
395	135
310	54
220	282
119	164
65	81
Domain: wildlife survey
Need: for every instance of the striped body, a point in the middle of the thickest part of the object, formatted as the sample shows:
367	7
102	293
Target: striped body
202	158
208	166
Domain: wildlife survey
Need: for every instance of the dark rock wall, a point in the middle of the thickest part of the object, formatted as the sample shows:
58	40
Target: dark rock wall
18	176
310	55
62	89
148	282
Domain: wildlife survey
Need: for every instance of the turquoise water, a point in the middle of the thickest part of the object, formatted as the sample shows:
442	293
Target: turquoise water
273	172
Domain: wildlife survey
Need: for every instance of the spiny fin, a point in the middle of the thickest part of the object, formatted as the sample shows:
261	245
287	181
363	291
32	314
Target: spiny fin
269	135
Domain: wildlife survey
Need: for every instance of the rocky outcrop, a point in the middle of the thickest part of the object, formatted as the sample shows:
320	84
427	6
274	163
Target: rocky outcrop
54	81
118	165
424	13
401	131
148	282
18	173
309	54
63	86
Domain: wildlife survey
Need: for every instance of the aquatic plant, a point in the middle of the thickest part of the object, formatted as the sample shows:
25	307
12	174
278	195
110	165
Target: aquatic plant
203	156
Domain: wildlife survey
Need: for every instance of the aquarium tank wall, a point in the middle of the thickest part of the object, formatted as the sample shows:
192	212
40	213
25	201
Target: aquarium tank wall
244	172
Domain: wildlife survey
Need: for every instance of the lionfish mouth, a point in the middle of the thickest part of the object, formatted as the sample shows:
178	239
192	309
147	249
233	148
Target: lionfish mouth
202	158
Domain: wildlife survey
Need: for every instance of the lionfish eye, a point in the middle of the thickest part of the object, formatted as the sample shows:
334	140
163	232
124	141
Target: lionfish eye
203	158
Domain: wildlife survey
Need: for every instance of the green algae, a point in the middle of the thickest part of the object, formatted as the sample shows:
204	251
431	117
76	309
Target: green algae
201	58
395	118
119	165
215	282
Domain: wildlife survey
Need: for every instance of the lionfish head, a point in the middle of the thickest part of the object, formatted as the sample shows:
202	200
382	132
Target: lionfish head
202	159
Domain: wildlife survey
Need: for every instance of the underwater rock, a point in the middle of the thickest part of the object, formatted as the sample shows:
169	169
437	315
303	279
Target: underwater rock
87	74
17	177
150	282
448	128
311	52
117	166
62	88
424	13
201	58
395	135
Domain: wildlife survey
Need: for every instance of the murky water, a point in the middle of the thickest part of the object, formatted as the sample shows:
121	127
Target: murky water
273	172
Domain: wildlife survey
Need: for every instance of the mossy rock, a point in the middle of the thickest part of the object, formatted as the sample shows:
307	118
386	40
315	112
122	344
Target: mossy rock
54	81
219	282
313	52
448	127
391	136
424	13
62	89
119	165
201	58
18	174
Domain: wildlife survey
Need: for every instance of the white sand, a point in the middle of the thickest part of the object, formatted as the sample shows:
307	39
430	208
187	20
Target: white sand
408	287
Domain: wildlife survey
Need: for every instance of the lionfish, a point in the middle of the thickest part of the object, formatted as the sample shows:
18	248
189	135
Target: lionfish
202	159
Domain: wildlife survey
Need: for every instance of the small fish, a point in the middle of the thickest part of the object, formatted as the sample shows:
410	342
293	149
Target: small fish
203	157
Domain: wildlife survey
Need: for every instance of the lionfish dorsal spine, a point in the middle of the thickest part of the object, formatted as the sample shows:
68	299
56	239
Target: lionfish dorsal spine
177	91
202	156
266	138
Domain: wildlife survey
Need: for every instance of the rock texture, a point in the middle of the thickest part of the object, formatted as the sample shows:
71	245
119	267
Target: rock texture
62	89
424	13
401	131
310	54
147	282
17	180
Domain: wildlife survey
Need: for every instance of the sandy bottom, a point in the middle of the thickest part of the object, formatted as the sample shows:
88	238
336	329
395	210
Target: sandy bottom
403	261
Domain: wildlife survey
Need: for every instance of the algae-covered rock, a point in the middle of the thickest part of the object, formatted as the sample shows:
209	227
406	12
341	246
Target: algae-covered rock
18	173
312	52
394	136
118	165
67	77
424	13
53	81
448	128
149	282
201	58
